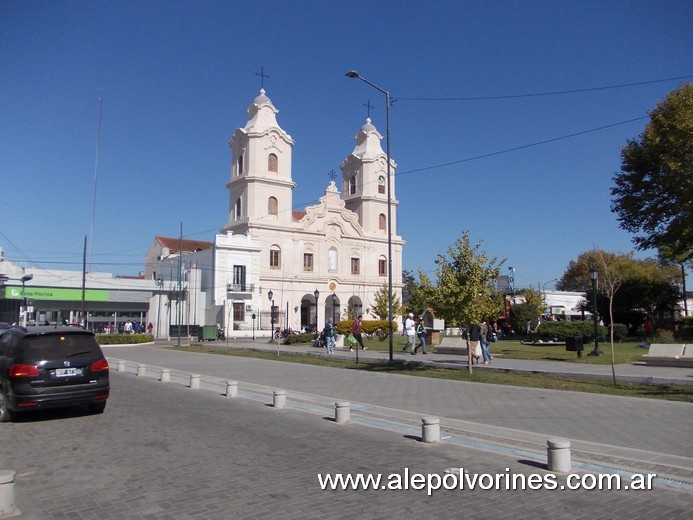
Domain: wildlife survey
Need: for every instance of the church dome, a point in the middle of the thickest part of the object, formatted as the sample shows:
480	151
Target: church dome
262	99
368	127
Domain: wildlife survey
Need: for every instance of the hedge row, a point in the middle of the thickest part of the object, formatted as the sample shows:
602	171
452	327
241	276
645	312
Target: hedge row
120	339
559	330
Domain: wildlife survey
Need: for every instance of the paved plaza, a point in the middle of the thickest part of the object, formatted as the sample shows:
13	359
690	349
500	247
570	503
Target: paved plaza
165	451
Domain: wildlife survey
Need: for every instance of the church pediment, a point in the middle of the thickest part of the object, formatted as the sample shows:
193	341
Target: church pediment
331	217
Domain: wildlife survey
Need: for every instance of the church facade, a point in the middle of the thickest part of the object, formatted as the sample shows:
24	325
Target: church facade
324	262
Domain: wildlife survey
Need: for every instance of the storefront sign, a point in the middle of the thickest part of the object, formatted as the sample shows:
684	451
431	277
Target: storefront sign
56	294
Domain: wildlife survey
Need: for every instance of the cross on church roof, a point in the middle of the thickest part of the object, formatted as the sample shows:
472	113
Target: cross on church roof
262	76
368	105
332	175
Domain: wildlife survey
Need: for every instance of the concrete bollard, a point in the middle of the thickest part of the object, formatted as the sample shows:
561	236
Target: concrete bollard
121	366
232	389
279	400
165	375
430	429
141	370
558	455
342	412
194	381
7	506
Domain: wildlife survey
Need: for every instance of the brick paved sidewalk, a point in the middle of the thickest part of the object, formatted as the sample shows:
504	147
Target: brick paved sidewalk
163	451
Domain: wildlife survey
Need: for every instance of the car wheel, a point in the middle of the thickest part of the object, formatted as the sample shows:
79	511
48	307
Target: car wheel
5	414
96	408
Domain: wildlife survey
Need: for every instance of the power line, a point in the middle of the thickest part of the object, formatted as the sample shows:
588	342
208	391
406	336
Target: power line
522	147
541	94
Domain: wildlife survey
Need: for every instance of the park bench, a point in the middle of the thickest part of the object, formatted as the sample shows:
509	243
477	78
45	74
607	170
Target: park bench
669	355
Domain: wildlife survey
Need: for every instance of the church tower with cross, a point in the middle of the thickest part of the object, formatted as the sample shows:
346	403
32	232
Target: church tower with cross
260	187
364	182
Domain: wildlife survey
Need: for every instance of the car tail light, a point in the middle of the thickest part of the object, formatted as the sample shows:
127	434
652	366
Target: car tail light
20	370
99	366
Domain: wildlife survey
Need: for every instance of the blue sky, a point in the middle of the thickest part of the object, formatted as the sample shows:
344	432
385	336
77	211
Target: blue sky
176	79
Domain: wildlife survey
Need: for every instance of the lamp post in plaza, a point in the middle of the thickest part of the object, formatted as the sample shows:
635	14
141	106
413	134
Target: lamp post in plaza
334	308
316	293
594	276
355	75
270	295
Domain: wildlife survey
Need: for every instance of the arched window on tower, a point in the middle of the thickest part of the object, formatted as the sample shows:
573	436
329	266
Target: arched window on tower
239	165
352	185
382	221
272	206
239	208
272	163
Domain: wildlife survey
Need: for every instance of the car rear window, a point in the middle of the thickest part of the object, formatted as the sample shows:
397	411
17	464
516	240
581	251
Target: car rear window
59	345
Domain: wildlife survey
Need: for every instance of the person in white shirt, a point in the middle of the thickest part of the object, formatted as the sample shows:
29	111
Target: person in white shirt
410	331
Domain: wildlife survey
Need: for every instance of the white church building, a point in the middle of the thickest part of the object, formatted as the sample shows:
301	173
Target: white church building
336	249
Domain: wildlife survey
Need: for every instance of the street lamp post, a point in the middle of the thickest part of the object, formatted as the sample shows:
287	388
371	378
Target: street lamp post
24	279
334	308
594	275
270	295
316	293
355	75
160	285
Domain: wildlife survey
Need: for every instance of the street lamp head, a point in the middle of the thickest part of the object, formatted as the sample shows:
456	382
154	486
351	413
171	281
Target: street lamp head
594	274
270	294
26	278
352	74
316	293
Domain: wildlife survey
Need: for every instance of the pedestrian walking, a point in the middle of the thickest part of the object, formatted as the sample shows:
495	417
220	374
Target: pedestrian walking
421	334
410	331
328	332
357	332
485	336
473	342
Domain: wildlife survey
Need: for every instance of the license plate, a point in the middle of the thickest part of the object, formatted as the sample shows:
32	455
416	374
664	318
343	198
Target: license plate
68	372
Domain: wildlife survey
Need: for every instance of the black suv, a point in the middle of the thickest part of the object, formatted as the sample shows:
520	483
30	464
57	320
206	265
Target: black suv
51	367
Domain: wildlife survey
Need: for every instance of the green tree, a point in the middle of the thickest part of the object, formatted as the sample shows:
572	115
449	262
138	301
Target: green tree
422	294
645	285
379	309
531	309
464	288
654	189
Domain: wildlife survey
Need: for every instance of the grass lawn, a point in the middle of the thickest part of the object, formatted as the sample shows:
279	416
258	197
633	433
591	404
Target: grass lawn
625	352
667	392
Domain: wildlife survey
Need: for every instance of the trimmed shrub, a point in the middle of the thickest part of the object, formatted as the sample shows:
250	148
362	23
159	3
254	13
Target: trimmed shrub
369	326
620	331
123	339
559	330
663	336
293	339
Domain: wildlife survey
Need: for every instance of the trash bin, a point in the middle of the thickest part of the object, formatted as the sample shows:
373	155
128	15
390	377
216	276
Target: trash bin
573	344
208	333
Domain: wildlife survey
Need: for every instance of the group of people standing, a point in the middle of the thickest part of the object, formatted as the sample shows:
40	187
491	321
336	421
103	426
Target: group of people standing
414	330
482	335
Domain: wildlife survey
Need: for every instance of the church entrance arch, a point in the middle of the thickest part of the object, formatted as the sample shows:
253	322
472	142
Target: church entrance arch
309	313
